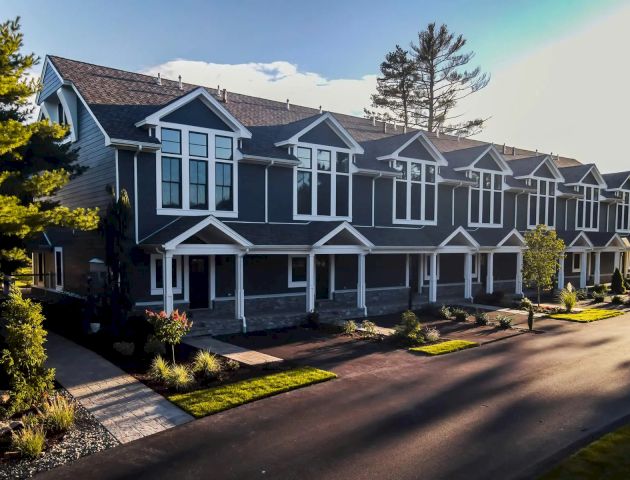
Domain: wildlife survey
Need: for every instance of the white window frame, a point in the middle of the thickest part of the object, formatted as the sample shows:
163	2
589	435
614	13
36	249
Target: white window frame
594	201
577	256
427	267
185	176
535	198
296	284
423	183
475	265
39	275
177	287
480	189
333	182
625	204
58	268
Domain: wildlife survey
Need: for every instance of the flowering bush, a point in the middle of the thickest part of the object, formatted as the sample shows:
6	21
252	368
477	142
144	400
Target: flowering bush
169	328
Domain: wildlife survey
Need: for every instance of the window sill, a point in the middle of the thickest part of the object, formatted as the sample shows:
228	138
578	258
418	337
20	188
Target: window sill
323	218
485	225
297	284
414	222
180	212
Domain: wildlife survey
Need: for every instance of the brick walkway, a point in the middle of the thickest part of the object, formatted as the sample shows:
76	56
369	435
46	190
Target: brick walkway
125	406
227	350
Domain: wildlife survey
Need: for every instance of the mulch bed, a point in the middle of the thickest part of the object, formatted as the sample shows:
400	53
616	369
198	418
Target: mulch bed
87	436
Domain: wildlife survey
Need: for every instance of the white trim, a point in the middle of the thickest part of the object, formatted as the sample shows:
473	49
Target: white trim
512	233
601	183
427	267
47	63
548	161
209	221
593	225
459	230
624	204
422	138
69	104
177	287
497	157
345	226
545	197
58	268
480	189
425	164
296	284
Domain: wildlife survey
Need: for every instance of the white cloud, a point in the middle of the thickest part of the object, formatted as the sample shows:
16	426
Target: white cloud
570	97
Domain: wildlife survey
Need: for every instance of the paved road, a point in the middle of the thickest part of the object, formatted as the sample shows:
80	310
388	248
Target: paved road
494	412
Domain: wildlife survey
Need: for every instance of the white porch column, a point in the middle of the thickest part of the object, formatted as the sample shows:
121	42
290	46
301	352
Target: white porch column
167	280
490	273
239	294
519	274
433	278
213	280
597	273
407	270
331	276
561	273
617	263
583	268
420	272
361	284
310	283
468	275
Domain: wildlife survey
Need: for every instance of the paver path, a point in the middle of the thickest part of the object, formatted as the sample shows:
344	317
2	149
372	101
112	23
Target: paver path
126	407
240	354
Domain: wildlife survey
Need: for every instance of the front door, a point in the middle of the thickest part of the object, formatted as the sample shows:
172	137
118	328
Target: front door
322	280
199	282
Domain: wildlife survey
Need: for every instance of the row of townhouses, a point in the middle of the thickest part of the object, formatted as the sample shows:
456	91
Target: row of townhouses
250	212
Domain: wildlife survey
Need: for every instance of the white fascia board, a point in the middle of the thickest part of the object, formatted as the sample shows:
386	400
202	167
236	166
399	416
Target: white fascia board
133	144
598	177
69	104
268	160
376	173
462	231
505	168
514	233
334	124
210	101
555	171
350	229
420	136
219	225
583	236
622	184
47	64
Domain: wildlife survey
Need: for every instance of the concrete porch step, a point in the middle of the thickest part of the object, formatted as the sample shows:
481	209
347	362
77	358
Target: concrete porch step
233	352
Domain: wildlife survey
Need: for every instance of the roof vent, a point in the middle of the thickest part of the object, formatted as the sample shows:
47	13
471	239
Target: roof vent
224	95
513	150
218	90
504	149
159	79
320	109
437	132
180	82
384	127
374	120
404	128
288	104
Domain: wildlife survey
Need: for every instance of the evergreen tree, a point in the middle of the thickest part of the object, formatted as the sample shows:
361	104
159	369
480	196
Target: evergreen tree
396	86
444	81
34	163
541	257
617	286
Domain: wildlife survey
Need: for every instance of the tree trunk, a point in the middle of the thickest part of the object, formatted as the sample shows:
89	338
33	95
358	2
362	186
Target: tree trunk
173	352
538	289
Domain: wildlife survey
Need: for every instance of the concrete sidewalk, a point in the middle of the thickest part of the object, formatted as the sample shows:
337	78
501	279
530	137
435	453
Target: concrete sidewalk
127	408
245	356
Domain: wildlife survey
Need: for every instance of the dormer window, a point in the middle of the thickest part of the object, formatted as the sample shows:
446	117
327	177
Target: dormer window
415	193
541	206
623	212
587	211
486	199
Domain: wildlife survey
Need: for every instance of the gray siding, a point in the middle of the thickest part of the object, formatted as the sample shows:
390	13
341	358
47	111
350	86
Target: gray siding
383	201
196	113
251	192
416	150
280	194
322	134
362	200
50	84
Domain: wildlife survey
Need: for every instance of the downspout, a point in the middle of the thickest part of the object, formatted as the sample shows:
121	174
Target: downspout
135	191
117	174
516	209
243	319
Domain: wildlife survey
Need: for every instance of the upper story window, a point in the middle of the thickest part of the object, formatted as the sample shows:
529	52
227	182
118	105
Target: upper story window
587	211
415	193
61	115
197	172
322	182
623	213
485	203
542	204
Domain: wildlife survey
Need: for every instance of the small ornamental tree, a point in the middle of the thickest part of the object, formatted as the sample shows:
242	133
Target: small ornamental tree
543	251
169	328
616	286
24	355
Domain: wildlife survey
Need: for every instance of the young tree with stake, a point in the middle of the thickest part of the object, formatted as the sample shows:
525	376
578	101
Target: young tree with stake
541	257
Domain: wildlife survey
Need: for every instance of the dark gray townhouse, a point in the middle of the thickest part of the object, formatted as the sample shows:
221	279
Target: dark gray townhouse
249	212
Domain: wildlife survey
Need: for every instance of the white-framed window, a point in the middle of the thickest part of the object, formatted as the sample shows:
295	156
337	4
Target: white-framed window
415	193
576	262
485	199
297	271
197	171
623	213
587	211
58	251
427	267
475	265
157	274
322	183
541	206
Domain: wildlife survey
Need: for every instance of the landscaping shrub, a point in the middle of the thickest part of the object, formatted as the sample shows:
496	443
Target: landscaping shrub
232	365
581	294
58	414
169	328
525	304
599	297
29	441
459	314
444	312
206	364
410	329
153	346
124	348
312	319
504	321
349	327
617	300
481	318
530	319
600	288
369	328
24	355
568	298
431	334
159	370
617	284
179	377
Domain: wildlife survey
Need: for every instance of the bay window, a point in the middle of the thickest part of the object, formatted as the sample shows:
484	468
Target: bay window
322	182
623	213
542	204
587	211
485	205
415	193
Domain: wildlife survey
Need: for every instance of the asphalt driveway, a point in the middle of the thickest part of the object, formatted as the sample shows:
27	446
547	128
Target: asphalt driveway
500	411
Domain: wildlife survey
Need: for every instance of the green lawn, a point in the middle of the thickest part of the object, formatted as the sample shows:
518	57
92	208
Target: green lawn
588	315
444	347
216	399
606	457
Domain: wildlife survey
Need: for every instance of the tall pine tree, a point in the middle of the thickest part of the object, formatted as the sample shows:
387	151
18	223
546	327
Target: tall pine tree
34	162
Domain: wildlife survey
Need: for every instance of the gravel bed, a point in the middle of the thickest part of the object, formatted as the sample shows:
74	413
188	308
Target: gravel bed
86	437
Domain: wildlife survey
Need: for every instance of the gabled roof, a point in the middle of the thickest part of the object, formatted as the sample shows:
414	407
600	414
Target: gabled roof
572	238
605	239
467	158
528	166
616	180
392	147
575	175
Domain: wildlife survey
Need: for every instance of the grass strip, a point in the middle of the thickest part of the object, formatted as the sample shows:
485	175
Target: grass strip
200	403
588	315
607	457
444	347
